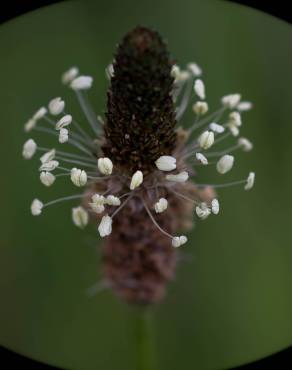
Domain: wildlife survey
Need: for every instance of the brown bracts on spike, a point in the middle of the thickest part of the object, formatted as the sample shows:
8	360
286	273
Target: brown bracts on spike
140	116
138	260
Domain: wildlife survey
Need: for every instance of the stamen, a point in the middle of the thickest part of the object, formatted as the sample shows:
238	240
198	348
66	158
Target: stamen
70	155
228	184
80	129
89	165
184	196
156	188
107	191
49	120
70	141
195	146
121	206
63	199
62	174
98	287
98	178
178	88
154	221
223	137
65	169
227	151
192	152
73	134
213	116
185	99
88	112
100	120
124	195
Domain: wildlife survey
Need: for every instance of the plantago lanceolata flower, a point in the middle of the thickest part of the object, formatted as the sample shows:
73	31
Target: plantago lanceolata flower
137	167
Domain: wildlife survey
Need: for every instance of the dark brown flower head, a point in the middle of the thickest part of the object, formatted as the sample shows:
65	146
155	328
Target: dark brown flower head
139	190
140	116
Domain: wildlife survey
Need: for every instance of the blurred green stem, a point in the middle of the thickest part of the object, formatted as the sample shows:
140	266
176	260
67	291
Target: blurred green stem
145	342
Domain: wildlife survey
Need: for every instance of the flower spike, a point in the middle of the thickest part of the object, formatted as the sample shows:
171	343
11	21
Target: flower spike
141	163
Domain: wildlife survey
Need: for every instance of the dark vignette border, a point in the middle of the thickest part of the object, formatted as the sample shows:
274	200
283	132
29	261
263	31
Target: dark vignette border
12	359
19	7
281	360
277	9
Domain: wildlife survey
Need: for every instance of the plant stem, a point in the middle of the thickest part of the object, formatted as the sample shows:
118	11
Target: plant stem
145	341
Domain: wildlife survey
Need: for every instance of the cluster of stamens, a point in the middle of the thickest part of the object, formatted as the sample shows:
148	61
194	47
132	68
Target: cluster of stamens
87	168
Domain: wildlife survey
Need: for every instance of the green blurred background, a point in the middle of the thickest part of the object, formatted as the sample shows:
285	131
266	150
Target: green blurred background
231	302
